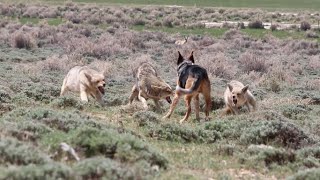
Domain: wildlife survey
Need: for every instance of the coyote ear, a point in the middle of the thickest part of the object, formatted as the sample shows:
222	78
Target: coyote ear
88	76
230	87
191	57
180	58
245	88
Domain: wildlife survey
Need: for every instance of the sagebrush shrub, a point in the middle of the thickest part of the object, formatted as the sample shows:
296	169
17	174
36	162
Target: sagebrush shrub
168	22
174	132
273	27
99	167
280	132
14	152
268	155
257	24
23	40
311	34
51	170
313	173
145	117
252	62
304	25
112	144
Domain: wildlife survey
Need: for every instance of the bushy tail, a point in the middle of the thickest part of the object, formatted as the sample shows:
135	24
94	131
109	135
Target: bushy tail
194	86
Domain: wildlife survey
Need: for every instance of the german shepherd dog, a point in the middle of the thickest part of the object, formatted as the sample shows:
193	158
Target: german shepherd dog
192	80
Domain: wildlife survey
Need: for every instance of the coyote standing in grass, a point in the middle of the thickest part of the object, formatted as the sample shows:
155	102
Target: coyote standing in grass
237	95
150	85
86	81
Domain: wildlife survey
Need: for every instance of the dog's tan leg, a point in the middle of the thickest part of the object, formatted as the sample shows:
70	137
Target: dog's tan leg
143	100
253	104
134	94
83	94
197	106
188	104
207	98
63	87
248	107
173	105
234	110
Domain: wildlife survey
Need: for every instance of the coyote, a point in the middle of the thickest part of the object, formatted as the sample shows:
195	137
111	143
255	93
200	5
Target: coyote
149	85
86	81
237	95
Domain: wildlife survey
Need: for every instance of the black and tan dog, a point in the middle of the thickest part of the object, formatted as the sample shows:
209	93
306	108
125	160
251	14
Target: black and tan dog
192	80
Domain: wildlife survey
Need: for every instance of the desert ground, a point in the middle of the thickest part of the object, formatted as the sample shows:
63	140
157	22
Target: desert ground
46	136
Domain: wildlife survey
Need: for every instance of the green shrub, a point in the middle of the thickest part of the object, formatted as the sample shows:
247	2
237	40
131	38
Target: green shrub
309	174
101	167
38	172
42	93
175	132
63	121
145	117
98	167
279	132
269	155
67	101
111	144
294	111
4	96
310	152
25	130
15	152
5	107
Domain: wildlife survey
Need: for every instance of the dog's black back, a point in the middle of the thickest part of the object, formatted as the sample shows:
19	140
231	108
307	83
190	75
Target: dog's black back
192	70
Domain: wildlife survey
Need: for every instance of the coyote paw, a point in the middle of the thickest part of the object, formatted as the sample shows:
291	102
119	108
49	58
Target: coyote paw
181	121
166	116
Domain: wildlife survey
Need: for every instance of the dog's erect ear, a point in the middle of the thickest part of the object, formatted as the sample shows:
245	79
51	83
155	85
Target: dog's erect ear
245	88
191	57
180	58
230	87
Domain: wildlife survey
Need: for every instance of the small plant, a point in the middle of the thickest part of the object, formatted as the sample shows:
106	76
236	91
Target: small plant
240	25
173	132
15	152
313	173
23	40
311	34
269	155
168	22
257	24
31	171
274	27
304	25
280	132
252	62
145	117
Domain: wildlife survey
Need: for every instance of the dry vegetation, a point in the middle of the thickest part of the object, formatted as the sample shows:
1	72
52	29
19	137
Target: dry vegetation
123	142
